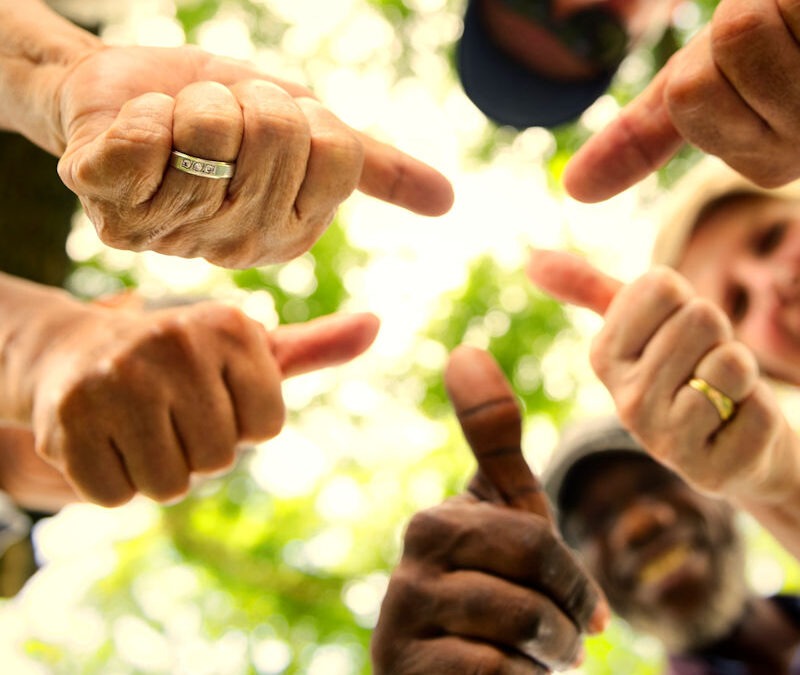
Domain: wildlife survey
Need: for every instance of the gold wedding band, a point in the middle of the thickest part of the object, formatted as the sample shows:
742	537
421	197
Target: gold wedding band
206	168
723	404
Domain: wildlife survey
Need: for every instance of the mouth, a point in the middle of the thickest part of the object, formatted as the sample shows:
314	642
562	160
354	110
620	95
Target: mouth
664	565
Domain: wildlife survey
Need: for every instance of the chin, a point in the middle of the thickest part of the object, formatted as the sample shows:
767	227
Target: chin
684	626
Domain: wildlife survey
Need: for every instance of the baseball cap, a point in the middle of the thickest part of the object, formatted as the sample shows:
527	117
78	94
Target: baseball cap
580	442
511	94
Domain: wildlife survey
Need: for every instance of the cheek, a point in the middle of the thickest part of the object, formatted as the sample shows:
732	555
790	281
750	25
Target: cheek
775	343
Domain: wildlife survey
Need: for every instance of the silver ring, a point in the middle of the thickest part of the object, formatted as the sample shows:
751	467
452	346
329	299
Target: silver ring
197	166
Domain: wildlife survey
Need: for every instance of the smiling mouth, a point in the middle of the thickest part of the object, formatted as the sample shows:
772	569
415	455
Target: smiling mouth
664	564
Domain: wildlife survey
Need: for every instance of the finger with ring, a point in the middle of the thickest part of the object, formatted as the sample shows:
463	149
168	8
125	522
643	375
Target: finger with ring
197	166
726	376
724	405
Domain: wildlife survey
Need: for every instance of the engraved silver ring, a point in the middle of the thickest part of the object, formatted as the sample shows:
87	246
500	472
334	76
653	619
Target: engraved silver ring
197	166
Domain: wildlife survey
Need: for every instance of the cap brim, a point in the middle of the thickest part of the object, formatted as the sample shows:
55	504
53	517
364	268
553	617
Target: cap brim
680	208
511	94
588	438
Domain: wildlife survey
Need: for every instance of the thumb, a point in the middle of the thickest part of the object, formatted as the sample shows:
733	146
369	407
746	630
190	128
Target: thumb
395	177
323	342
490	418
570	278
639	141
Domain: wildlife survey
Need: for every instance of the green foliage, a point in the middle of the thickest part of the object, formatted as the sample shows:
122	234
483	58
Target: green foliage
514	322
236	561
395	11
194	13
330	258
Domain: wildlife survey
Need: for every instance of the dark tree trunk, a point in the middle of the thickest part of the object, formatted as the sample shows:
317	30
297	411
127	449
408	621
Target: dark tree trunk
35	213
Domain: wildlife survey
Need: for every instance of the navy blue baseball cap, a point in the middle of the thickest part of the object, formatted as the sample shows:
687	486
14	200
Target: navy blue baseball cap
511	94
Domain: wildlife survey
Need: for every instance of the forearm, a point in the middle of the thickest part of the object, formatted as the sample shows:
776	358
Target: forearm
776	502
35	318
37	49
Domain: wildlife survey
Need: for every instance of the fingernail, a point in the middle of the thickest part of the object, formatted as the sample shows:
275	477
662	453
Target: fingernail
600	618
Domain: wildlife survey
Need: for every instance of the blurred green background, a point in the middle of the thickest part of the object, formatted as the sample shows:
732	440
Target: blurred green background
280	566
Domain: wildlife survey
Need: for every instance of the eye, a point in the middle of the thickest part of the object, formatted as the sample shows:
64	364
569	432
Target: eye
738	304
769	239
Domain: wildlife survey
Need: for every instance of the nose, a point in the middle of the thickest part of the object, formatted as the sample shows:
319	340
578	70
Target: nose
771	280
640	522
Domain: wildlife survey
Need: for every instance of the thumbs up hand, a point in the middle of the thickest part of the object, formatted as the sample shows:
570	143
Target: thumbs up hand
485	584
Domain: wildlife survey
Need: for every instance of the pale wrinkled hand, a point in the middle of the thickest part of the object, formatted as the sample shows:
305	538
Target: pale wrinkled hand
485	584
657	335
732	91
123	109
128	402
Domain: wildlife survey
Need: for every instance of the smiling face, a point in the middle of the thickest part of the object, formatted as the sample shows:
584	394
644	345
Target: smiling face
668	558
745	255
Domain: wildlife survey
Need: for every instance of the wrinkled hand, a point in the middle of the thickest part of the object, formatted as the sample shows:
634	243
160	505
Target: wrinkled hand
123	109
732	92
485	585
657	335
127	402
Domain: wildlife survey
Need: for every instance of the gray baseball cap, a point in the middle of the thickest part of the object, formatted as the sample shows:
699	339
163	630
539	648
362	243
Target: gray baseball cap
579	442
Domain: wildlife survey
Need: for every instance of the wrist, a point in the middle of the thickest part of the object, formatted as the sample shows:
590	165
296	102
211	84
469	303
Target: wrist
38	324
38	49
777	480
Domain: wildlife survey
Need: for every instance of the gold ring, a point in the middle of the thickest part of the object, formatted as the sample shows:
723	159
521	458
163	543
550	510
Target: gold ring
206	168
723	404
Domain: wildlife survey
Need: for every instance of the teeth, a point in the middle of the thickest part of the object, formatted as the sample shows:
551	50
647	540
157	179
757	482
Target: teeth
664	564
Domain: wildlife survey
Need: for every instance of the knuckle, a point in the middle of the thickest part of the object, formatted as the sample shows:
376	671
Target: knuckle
342	148
230	321
275	113
221	459
172	489
172	336
137	132
272	423
706	318
430	532
667	287
488	662
289	126
733	31
118	498
735	361
684	90
538	538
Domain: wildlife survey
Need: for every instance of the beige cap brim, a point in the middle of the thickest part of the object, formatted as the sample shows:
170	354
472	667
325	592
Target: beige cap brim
680	207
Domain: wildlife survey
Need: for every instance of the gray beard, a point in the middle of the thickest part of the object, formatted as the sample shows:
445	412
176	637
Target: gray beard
723	610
